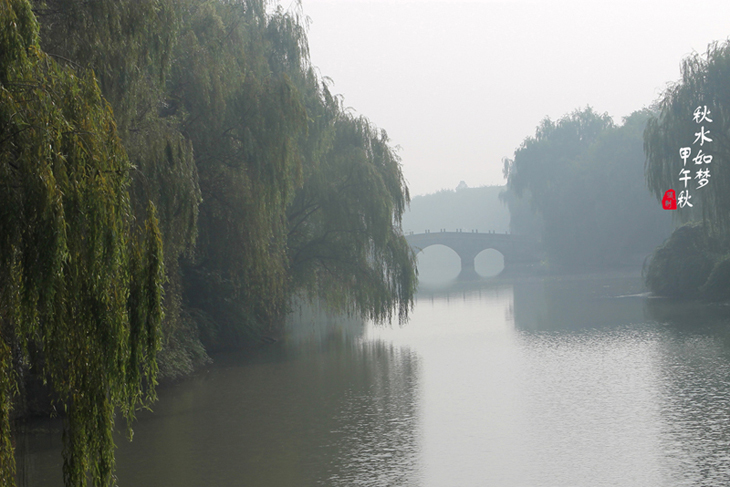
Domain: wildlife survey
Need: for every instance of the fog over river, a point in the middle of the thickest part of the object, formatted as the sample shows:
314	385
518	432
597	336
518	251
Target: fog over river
535	382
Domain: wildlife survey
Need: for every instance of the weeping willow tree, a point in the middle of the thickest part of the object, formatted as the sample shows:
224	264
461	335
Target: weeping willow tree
128	43
705	82
214	100
345	242
244	116
130	46
551	169
80	281
583	176
267	137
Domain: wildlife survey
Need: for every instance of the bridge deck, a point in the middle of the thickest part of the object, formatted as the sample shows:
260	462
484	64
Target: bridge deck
515	248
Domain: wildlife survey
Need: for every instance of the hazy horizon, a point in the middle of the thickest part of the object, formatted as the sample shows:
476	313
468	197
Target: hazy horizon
459	85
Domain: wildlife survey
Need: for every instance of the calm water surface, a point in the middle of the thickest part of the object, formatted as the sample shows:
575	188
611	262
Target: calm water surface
573	381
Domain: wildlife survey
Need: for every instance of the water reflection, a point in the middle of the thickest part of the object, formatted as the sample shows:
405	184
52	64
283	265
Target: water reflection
578	302
561	381
312	325
642	383
344	416
595	383
695	379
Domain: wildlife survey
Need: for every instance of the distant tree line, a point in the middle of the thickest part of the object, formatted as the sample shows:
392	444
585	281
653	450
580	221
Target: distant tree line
173	173
586	180
695	261
583	178
466	208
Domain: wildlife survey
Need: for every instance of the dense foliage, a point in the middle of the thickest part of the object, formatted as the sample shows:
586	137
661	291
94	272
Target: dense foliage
131	53
80	283
245	117
683	263
465	208
705	82
344	234
197	127
584	178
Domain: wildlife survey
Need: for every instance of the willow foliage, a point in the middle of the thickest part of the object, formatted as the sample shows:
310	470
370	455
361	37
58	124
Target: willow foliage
584	177
705	82
346	245
130	46
245	117
542	163
80	283
268	139
681	266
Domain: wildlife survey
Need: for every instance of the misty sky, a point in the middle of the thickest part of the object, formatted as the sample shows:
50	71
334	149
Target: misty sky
459	85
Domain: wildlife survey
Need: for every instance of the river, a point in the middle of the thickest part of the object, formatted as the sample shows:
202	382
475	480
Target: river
540	382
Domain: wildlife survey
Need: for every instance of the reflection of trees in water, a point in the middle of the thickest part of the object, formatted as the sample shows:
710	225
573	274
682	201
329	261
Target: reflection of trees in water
695	409
345	412
688	316
376	425
461	290
577	302
692	369
340	415
695	378
312	323
557	302
332	416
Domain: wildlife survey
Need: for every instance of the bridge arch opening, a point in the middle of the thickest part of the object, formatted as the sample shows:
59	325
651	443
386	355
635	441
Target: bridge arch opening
489	263
438	264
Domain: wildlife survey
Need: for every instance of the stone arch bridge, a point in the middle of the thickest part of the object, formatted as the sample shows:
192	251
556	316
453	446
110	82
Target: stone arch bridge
519	251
